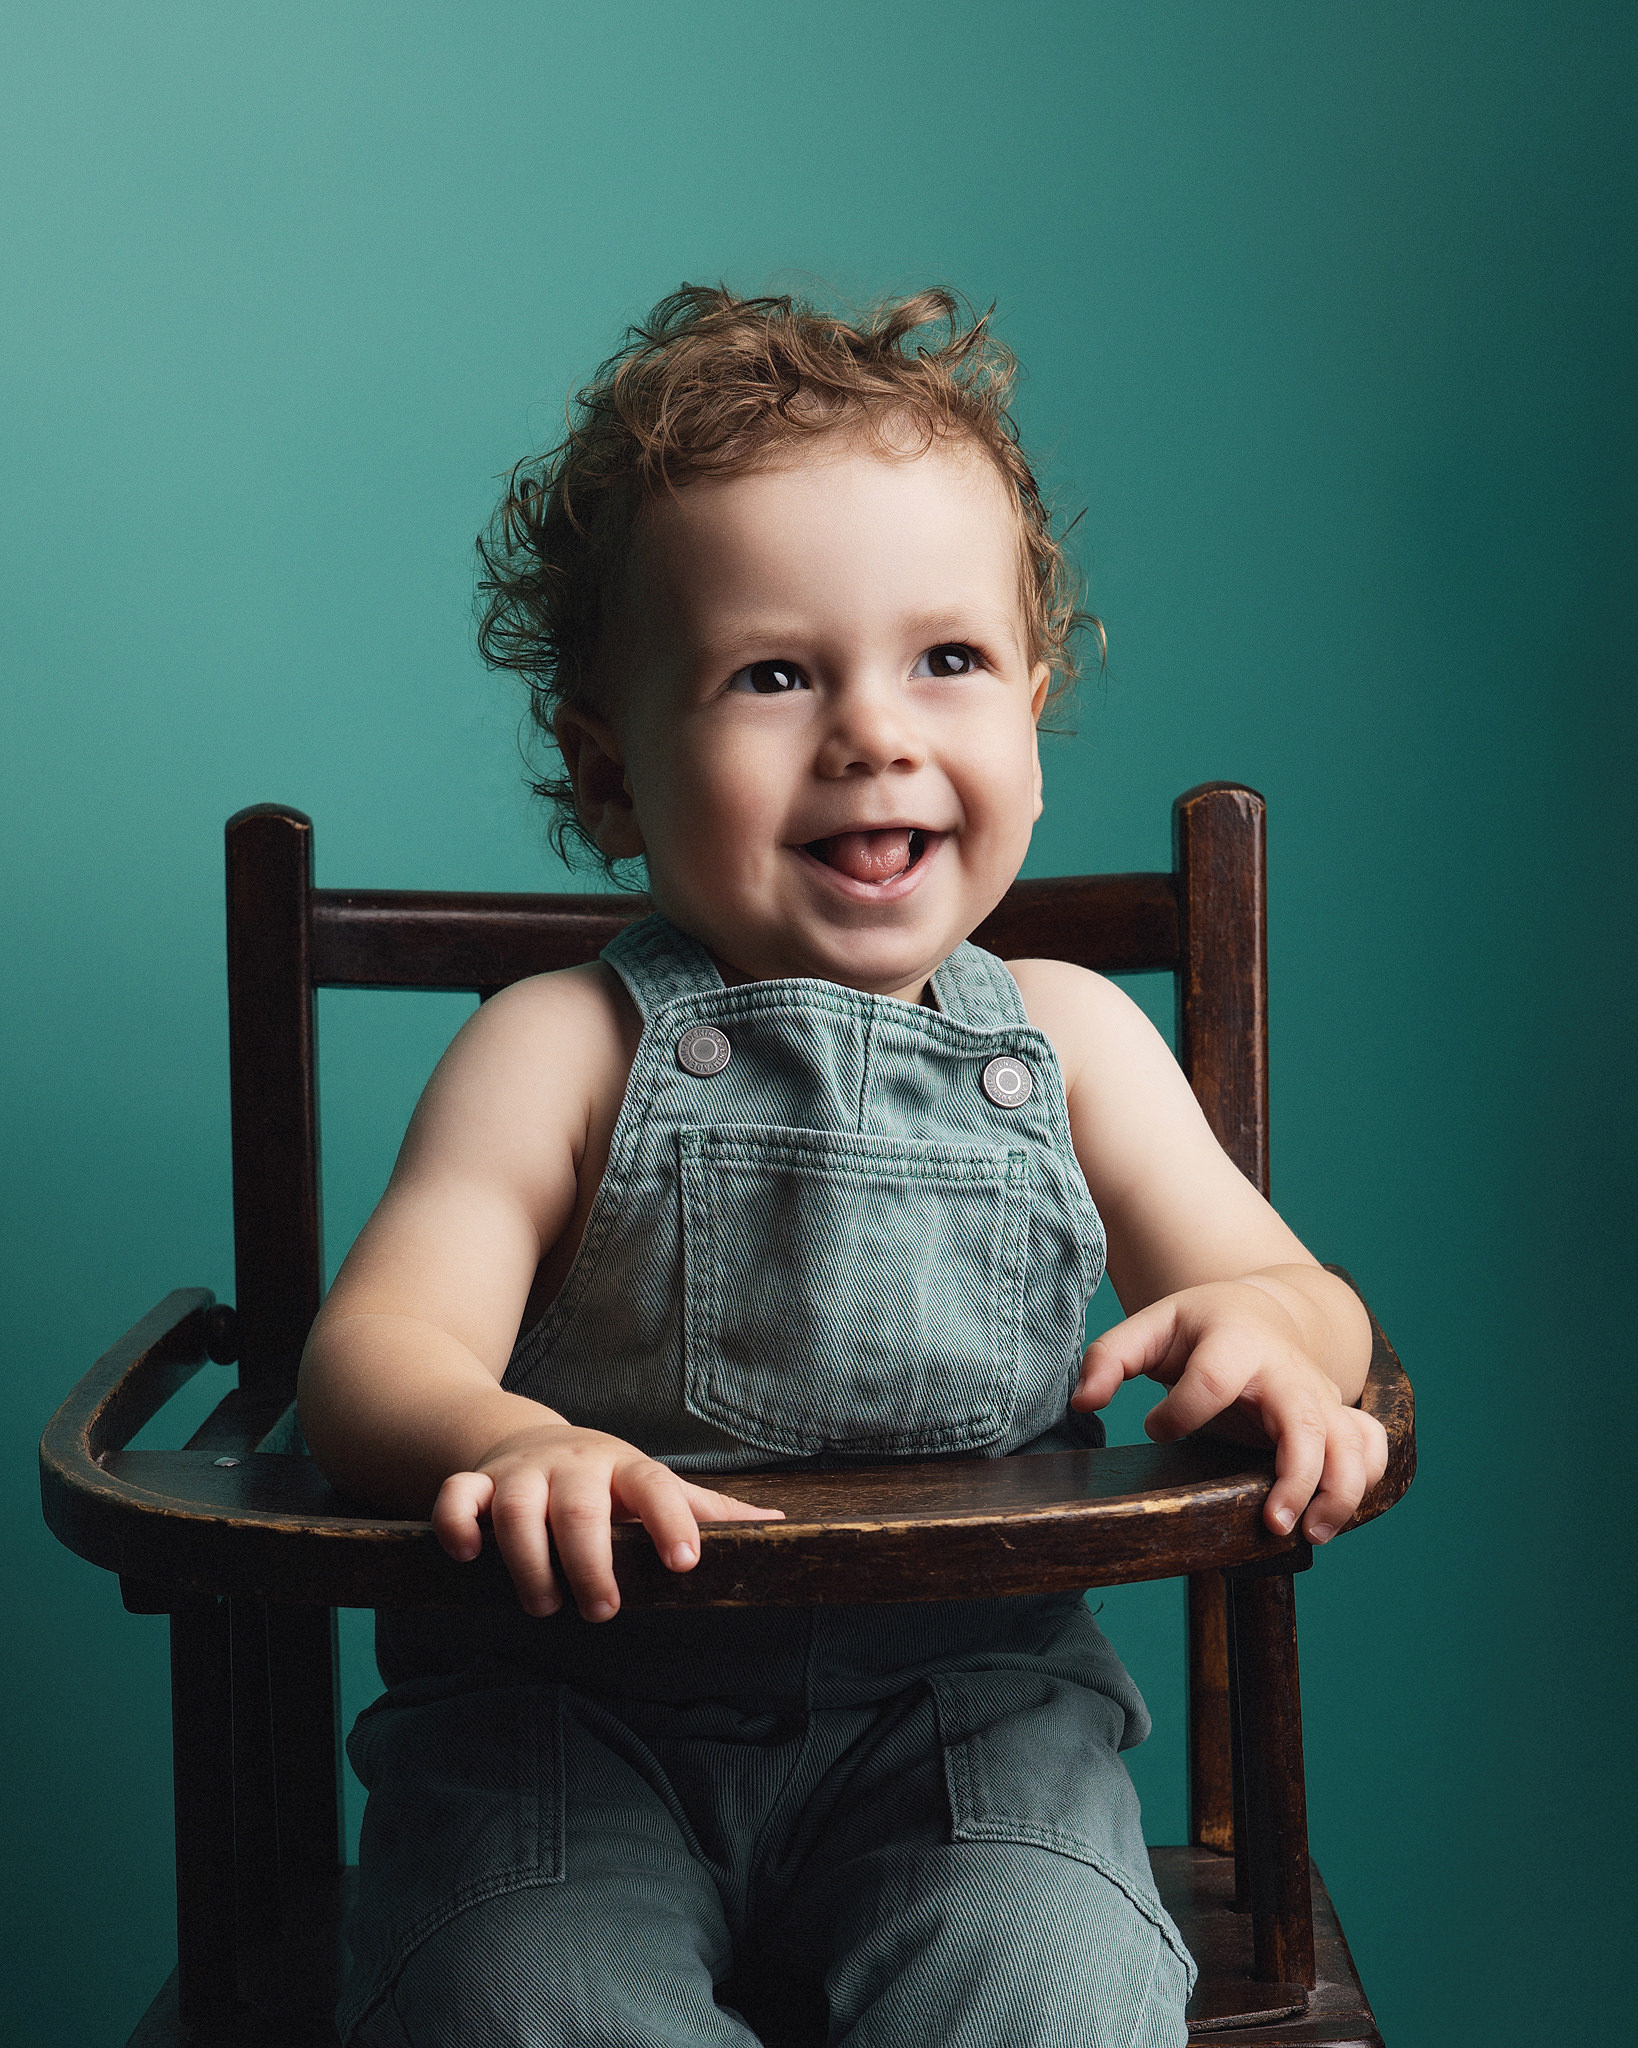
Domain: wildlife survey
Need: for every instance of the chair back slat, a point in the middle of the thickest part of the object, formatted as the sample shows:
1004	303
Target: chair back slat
1114	924
402	938
424	939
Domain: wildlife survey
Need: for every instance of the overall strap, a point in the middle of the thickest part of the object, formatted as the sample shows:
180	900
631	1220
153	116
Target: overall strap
657	962
975	988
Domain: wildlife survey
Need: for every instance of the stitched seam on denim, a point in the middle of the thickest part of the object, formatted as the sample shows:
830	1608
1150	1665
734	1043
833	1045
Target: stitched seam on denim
658	962
545	1869
980	984
884	1160
623	1740
602	1219
706	1396
407	1940
867	1054
1139	2016
1065	1842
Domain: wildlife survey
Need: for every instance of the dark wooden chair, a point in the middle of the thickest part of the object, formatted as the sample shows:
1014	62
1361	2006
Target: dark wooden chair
242	1543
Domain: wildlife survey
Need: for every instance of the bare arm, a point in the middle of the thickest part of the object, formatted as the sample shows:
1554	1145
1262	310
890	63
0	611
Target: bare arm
400	1388
1224	1304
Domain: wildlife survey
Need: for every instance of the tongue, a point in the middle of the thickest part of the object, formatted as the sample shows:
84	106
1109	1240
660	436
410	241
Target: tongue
868	856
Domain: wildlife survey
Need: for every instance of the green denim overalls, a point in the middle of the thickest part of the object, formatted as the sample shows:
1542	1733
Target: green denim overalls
832	1226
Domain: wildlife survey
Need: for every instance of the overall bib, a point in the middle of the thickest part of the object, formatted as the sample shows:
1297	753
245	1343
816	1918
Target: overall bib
833	1226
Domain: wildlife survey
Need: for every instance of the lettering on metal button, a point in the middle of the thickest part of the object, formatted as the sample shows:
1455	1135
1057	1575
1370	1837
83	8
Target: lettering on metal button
1008	1082
704	1050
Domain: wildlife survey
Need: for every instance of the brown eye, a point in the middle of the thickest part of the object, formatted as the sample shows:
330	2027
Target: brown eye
769	678
949	658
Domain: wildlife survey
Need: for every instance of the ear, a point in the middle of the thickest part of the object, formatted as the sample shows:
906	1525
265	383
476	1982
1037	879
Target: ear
602	789
1040	681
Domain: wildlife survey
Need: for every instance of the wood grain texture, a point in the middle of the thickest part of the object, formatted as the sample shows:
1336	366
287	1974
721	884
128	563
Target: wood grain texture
272	1051
270	1527
1211	1774
400	938
1218	856
1262	1644
1222	981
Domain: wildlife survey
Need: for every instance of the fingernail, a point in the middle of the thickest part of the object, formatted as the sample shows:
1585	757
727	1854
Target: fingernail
599	1610
1320	1532
683	1556
1283	1518
547	1607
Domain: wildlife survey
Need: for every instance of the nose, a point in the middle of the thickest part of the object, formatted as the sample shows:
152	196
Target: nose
871	730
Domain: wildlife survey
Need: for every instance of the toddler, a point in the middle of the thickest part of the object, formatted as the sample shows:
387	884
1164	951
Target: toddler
793	1173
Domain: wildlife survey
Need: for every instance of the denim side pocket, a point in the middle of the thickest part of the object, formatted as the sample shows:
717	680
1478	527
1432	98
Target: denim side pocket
465	1802
1031	1757
852	1293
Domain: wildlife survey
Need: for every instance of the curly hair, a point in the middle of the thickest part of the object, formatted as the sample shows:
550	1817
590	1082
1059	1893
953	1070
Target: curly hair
710	385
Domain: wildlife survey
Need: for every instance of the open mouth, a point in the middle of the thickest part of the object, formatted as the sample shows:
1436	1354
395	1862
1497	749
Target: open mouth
880	856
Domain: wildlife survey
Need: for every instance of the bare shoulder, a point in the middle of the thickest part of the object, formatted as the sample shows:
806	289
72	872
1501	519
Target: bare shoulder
1095	1027
540	1060
1176	1209
1129	1104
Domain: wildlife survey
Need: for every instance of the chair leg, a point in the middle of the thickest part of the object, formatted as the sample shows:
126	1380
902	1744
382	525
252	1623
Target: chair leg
202	1739
1263	1644
256	1814
1211	1791
303	1669
1239	1833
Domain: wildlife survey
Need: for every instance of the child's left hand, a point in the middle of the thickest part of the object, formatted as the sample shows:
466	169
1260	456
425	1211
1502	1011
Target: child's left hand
1236	1354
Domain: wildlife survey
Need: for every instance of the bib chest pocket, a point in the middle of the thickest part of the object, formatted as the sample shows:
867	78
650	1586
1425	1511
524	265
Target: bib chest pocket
852	1293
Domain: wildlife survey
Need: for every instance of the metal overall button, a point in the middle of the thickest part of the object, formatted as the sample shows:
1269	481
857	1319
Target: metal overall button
1008	1082
703	1049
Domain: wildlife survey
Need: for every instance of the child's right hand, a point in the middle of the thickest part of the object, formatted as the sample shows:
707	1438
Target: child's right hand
573	1483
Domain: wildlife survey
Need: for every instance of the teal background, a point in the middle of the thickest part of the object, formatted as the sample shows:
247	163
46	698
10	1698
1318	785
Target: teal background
1327	313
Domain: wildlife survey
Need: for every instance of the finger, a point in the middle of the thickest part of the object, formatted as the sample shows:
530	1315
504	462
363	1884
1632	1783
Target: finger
462	1498
1299	1460
580	1510
518	1518
1103	1373
1152	1341
1214	1379
1341	1487
1354	1462
655	1495
707	1506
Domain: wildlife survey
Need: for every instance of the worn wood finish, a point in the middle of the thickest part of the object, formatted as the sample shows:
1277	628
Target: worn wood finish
1219	856
1211	1781
1268	1701
411	938
271	1528
1222	977
272	1055
1197	1886
403	938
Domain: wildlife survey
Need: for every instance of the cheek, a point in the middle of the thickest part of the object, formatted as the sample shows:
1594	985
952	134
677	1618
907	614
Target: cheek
722	793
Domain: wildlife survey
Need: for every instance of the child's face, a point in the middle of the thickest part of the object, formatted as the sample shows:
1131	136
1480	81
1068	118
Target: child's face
821	724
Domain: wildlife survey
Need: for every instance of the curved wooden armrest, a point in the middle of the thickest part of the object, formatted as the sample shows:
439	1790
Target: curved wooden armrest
267	1525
